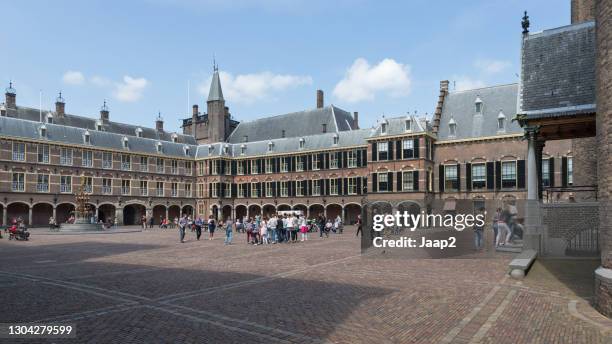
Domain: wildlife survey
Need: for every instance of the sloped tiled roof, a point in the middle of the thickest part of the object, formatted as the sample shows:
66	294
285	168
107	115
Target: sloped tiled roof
397	126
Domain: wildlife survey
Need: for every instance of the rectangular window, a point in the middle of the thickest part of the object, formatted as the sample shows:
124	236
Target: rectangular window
66	184
200	168
333	160
333	186
200	190
352	186
173	166
383	150
254	190
66	156
240	167
299	188
215	190
107	160
144	188
144	164
383	182
107	186
570	170
159	165
508	174
299	163
42	183
408	149
284	164
227	167
284	189
174	189
125	187
188	168
187	189
479	176
451	181
269	192
87	184
254	167
269	165
316	187
126	162
241	191
43	154
407	181
545	172
18	151
87	158
160	189
352	158
228	190
18	182
315	162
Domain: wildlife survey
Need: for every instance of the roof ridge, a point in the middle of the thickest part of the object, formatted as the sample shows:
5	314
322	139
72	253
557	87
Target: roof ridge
484	87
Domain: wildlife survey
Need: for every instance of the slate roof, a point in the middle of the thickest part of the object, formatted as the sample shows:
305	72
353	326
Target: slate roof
558	71
56	133
349	138
461	108
295	124
215	92
397	126
32	114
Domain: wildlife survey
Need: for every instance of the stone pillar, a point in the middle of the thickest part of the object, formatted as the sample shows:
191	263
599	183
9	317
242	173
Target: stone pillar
119	216
30	216
343	216
533	228
532	166
55	213
167	214
4	215
603	275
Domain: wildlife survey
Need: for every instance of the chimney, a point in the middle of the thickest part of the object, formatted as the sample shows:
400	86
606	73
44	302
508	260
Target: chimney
11	97
60	106
159	123
194	119
582	10
438	112
355	120
320	102
104	113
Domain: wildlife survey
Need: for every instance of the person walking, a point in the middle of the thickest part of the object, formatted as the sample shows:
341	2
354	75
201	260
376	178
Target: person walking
478	232
143	222
503	231
249	230
272	229
181	225
228	231
496	218
304	228
359	226
198	227
321	223
338	225
211	227
151	222
263	231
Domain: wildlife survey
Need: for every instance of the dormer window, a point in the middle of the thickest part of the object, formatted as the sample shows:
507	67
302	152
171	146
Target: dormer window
210	149
242	149
43	131
125	143
98	126
452	127
138	132
245	138
336	139
283	133
383	128
174	138
270	146
408	124
50	118
159	147
187	150
324	129
86	137
226	149
478	103
501	121
302	143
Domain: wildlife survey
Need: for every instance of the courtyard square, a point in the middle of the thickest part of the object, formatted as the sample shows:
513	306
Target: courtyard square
146	287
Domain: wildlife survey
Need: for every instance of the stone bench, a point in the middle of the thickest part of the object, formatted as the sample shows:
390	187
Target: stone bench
521	263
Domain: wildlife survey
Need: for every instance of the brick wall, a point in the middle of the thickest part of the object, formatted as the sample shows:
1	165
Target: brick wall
582	10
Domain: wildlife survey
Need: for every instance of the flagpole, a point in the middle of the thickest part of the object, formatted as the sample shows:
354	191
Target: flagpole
40	105
188	102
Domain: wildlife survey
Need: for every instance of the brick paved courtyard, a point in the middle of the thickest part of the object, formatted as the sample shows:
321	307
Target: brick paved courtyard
145	287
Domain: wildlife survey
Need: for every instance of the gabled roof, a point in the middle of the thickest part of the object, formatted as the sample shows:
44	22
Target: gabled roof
461	107
295	124
397	126
558	71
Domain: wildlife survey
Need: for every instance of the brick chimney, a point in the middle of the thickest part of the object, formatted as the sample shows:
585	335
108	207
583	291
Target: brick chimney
104	113
159	123
320	102
11	97
194	119
438	112
355	120
60	106
582	10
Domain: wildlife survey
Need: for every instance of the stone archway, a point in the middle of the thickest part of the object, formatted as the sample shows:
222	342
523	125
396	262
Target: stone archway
254	210
41	212
283	207
188	210
214	211
226	212
18	210
159	213
132	214
63	212
106	213
412	208
302	208
333	210
268	210
351	211
315	210
2	212
241	211
174	211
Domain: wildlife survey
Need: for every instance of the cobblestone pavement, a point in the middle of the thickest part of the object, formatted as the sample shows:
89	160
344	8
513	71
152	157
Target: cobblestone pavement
145	287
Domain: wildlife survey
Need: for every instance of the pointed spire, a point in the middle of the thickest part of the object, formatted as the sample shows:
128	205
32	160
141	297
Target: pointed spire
215	87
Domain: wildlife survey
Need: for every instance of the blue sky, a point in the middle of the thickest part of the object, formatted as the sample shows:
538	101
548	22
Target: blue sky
375	57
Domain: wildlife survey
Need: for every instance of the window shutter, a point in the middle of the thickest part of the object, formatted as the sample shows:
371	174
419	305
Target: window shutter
304	162
292	164
304	187
564	171
390	149
344	159
416	147
309	162
222	189
234	190
458	177
259	188
326	193
345	188
364	157
290	188
415	180
374	182
209	189
390	181
321	164
358	158
490	175
468	176
248	166
309	190
374	152
398	149
248	189
358	184
399	180
234	167
274	189
498	175
339	185
551	170
520	167
441	178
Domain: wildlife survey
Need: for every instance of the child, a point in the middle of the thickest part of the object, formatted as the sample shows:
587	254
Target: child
304	229
264	232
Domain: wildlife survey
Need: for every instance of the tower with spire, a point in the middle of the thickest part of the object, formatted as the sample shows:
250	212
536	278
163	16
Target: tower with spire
217	112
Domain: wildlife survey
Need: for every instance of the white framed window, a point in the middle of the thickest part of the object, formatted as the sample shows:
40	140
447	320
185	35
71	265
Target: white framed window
144	188
18	151
188	168
336	139
269	165
383	182
299	188
383	150
408	125
254	167
451	181
228	190
174	166
159	165
545	172
125	187
299	163
254	191
174	189
242	150
86	138
126	144
240	167
284	189
160	147
316	187
352	186
333	186
302	143
42	183
508	177
333	160
315	162
160	189
144	164
126	162
284	167
352	158
214	164
407	149
187	187
241	191
383	128
214	191
18	184
87	158
479	176
66	156
87	184
43	154
407	181
269	191
107	186
107	160
66	184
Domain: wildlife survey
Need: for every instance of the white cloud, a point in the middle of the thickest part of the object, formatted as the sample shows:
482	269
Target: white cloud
462	83
363	81
246	88
73	78
491	66
99	80
131	89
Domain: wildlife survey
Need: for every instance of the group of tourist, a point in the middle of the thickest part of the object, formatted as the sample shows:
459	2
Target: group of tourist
506	228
